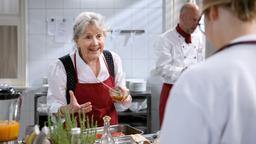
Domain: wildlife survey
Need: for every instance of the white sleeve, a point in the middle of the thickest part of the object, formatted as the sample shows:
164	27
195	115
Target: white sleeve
185	120
120	80
56	95
165	66
118	68
201	50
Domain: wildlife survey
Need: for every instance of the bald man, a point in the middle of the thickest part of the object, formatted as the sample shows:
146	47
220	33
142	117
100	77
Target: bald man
178	49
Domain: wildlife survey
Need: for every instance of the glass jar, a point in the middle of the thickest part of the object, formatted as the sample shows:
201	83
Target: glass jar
107	137
75	136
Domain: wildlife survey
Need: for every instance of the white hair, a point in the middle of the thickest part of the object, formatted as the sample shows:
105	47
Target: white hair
87	18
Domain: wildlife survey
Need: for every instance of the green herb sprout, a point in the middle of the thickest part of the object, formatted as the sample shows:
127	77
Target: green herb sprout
60	133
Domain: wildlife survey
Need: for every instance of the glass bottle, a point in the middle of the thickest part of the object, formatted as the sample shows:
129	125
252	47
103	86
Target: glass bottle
75	136
107	137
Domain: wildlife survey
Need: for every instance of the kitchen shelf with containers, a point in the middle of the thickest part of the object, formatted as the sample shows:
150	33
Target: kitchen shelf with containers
139	114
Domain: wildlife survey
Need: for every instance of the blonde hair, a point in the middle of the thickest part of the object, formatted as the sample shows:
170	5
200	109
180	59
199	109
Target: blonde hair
245	10
87	18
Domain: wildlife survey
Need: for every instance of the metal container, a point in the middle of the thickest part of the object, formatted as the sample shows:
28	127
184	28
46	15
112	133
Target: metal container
124	128
121	140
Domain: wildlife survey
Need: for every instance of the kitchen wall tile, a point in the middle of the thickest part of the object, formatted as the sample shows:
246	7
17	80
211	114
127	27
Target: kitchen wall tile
37	44
127	67
109	43
123	46
122	19
142	4
71	13
54	13
152	43
37	21
139	69
54	50
155	4
54	4
124	3
89	4
151	64
155	19
109	4
140	47
36	71
68	47
139	18
36	4
72	4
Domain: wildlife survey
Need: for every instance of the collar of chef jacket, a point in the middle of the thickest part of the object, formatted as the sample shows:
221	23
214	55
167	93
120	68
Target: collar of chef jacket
184	34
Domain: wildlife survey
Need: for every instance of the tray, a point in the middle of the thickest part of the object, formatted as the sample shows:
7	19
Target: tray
120	140
124	128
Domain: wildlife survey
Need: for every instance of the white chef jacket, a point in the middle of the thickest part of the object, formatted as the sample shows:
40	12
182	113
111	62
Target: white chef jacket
56	96
174	54
215	102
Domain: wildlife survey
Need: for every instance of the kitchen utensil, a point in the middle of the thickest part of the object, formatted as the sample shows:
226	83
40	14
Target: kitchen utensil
110	88
10	101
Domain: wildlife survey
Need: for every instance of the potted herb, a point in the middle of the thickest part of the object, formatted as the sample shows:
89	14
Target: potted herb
60	133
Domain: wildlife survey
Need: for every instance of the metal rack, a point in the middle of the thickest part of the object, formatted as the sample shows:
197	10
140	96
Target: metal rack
128	31
140	119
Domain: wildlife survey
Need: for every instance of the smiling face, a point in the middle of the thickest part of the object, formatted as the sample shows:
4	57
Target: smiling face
91	43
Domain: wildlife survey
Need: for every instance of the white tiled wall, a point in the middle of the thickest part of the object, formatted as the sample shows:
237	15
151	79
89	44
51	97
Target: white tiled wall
136	51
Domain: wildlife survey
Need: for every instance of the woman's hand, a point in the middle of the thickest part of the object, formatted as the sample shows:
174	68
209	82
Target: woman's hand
124	92
74	107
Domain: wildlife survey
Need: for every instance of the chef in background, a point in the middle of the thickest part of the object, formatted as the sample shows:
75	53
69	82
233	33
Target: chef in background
215	102
178	49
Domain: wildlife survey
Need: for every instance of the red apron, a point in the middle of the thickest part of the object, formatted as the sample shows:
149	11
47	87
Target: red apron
98	95
166	88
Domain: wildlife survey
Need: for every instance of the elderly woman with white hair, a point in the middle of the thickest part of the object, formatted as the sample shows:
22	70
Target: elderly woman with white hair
80	81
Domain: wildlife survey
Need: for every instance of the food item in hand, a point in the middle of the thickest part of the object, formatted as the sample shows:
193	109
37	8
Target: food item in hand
118	94
117	98
114	134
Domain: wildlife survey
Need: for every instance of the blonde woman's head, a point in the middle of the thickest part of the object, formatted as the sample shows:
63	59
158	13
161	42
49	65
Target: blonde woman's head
245	10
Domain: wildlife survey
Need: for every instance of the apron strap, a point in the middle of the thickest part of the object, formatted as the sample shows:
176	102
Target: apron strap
71	75
110	63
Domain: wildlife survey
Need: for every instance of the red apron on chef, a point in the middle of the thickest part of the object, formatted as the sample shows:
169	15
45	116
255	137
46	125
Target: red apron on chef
98	95
166	88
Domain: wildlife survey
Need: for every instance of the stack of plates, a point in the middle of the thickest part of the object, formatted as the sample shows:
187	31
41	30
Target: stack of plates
136	85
